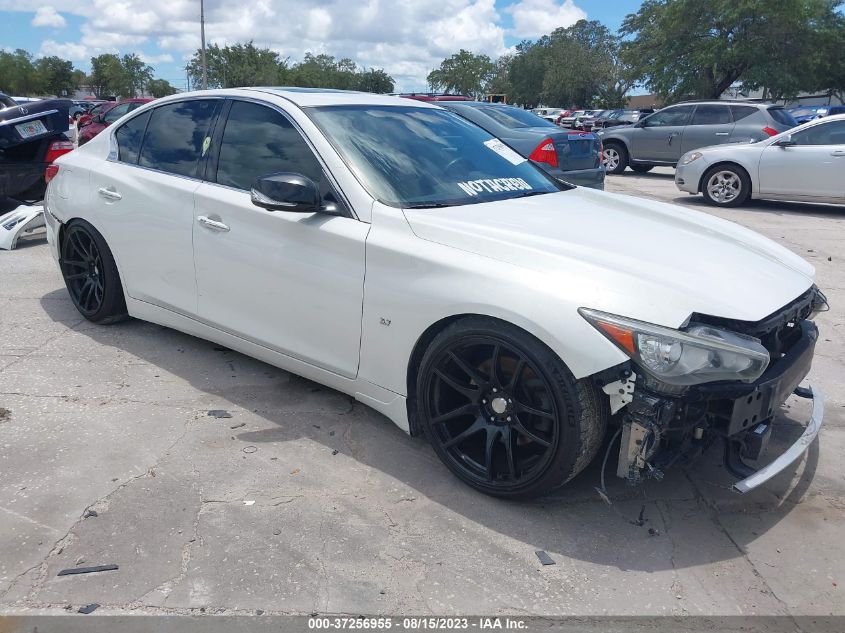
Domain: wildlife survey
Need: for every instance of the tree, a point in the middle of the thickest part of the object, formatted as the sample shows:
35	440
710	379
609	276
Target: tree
500	82
135	76
690	48
160	88
56	76
18	75
375	80
107	75
463	73
238	65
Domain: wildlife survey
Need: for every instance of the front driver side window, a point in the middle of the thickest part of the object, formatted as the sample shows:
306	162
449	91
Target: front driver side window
832	133
670	116
258	141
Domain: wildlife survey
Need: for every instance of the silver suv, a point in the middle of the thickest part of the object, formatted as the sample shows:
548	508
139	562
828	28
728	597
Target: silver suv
663	137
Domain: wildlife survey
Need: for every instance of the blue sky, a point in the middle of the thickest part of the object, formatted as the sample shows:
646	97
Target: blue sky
407	37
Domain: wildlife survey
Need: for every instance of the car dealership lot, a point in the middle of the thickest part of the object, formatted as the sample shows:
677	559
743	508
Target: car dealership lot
303	501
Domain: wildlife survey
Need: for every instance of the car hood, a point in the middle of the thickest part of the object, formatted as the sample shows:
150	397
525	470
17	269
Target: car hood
644	259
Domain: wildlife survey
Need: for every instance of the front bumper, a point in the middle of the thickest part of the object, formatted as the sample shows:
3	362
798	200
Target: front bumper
795	451
688	177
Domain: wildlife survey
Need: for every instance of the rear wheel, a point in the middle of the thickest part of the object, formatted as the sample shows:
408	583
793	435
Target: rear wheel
615	158
90	274
726	186
503	412
642	169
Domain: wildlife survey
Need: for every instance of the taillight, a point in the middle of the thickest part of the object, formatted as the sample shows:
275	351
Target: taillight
56	149
770	131
545	153
50	172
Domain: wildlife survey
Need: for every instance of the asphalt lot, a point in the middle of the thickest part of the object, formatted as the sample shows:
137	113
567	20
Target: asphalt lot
303	501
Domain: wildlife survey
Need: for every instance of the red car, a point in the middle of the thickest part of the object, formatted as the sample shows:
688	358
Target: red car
104	115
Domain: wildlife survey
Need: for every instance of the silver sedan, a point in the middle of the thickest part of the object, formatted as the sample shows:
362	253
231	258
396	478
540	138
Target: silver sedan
804	164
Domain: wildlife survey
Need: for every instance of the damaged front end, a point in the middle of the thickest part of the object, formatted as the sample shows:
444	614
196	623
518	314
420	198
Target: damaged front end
715	380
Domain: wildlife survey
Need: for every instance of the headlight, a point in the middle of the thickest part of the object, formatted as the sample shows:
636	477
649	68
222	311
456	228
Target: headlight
700	354
692	156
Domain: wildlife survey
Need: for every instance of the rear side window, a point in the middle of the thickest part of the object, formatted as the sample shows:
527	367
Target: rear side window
116	112
740	112
258	141
129	137
831	133
711	115
782	116
175	137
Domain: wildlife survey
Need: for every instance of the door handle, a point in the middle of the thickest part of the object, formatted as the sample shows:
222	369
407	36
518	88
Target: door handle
672	136
109	194
722	133
839	152
212	224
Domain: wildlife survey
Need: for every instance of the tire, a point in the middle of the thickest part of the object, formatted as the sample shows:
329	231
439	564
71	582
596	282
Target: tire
91	275
726	186
642	169
515	432
615	158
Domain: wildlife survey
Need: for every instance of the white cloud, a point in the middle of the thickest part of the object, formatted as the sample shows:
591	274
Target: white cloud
533	18
67	50
48	16
407	38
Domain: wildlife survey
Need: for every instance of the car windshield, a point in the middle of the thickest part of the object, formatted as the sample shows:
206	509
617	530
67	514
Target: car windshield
412	157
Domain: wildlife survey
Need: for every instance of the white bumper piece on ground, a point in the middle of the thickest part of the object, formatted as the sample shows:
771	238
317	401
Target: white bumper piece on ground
20	222
793	452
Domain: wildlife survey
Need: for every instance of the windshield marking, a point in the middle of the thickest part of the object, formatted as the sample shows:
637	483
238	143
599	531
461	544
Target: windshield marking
494	185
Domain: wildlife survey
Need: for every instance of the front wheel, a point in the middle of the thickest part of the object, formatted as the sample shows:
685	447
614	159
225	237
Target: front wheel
615	158
503	412
726	186
91	275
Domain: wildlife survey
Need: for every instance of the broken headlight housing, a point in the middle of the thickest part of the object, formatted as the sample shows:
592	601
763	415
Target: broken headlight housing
699	354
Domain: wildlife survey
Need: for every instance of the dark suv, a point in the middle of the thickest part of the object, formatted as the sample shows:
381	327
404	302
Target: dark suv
663	137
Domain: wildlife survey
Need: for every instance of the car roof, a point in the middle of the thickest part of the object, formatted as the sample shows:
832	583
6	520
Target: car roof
305	97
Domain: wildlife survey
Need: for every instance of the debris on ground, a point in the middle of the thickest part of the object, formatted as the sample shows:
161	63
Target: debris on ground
249	449
88	608
86	570
5	414
544	557
276	532
249	502
640	519
237	426
334	452
89	513
219	413
653	532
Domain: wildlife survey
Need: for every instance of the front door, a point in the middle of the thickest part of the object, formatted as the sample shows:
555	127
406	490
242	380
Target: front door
293	282
659	136
813	168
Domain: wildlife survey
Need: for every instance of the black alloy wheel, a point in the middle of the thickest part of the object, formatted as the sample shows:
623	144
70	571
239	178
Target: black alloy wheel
496	413
90	274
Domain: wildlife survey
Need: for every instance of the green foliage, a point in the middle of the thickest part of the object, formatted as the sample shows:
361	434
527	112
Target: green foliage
463	73
18	75
56	76
160	88
690	48
247	65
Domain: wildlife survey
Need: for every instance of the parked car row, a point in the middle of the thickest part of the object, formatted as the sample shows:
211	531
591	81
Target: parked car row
802	114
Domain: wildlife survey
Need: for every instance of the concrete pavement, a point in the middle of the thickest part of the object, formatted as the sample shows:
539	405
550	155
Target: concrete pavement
304	501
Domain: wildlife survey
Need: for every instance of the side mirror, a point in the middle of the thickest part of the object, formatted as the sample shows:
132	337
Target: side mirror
786	141
285	191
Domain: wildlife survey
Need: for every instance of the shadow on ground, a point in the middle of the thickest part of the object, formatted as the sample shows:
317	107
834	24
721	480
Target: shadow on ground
686	506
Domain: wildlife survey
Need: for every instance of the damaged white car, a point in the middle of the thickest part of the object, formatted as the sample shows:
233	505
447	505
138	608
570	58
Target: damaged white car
396	252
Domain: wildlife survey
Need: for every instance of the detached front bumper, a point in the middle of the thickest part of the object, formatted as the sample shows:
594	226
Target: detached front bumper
795	451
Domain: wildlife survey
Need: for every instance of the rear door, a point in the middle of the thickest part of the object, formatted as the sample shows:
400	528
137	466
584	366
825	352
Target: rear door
711	124
145	200
292	282
659	136
813	168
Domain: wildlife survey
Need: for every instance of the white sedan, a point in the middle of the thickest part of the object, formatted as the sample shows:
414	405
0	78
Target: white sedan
396	252
804	164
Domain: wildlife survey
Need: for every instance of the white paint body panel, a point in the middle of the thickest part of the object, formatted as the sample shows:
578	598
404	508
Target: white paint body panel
344	301
803	173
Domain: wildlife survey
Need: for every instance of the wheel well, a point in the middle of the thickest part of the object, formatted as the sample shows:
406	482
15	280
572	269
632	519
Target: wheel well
724	163
421	346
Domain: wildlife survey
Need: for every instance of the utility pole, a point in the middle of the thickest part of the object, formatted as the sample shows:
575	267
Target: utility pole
202	37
